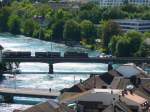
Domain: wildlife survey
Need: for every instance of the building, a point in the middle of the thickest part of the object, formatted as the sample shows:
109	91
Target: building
100	100
133	24
106	3
48	106
64	4
118	78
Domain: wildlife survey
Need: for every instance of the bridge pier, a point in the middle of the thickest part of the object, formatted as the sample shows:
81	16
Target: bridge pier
51	68
8	98
17	64
9	66
110	66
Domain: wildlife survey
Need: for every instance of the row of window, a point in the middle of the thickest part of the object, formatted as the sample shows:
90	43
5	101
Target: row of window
135	24
121	2
145	28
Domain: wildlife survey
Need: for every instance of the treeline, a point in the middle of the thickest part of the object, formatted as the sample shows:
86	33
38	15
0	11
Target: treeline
131	44
38	20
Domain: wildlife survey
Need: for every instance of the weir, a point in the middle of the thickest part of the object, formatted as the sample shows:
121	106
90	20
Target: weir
9	93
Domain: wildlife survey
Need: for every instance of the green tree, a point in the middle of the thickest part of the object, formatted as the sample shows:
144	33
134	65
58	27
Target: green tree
123	47
48	34
88	30
144	50
14	24
57	29
135	41
130	8
113	13
112	44
146	16
94	15
62	15
109	29
87	6
28	27
71	31
4	15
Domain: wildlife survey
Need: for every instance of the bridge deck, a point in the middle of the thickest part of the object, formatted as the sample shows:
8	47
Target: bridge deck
84	60
26	92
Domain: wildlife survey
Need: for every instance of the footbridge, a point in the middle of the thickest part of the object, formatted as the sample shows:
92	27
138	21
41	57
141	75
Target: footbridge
9	93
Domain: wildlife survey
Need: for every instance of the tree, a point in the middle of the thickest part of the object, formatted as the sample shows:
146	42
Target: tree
135	41
144	50
4	15
88	30
113	13
146	16
57	29
47	34
71	31
14	24
87	6
28	27
112	44
94	15
130	8
123	47
109	29
62	15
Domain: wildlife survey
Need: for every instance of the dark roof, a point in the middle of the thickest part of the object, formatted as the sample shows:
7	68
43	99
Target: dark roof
49	106
94	81
112	78
118	106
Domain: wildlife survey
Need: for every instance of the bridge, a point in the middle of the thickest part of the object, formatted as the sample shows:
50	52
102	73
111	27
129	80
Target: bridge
80	60
9	93
52	60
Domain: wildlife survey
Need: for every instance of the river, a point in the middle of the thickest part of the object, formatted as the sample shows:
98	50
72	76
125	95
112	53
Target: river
44	81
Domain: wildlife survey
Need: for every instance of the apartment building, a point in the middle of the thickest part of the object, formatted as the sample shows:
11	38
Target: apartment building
106	3
134	24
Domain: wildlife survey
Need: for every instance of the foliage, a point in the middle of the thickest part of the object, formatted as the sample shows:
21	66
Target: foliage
113	13
28	27
4	15
14	24
122	47
90	22
109	29
57	29
144	50
88	30
71	31
129	44
135	39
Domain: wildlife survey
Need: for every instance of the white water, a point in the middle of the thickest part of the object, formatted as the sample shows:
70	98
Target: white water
44	81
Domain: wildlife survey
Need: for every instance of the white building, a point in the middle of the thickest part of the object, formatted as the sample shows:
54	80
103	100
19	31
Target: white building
120	2
134	24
